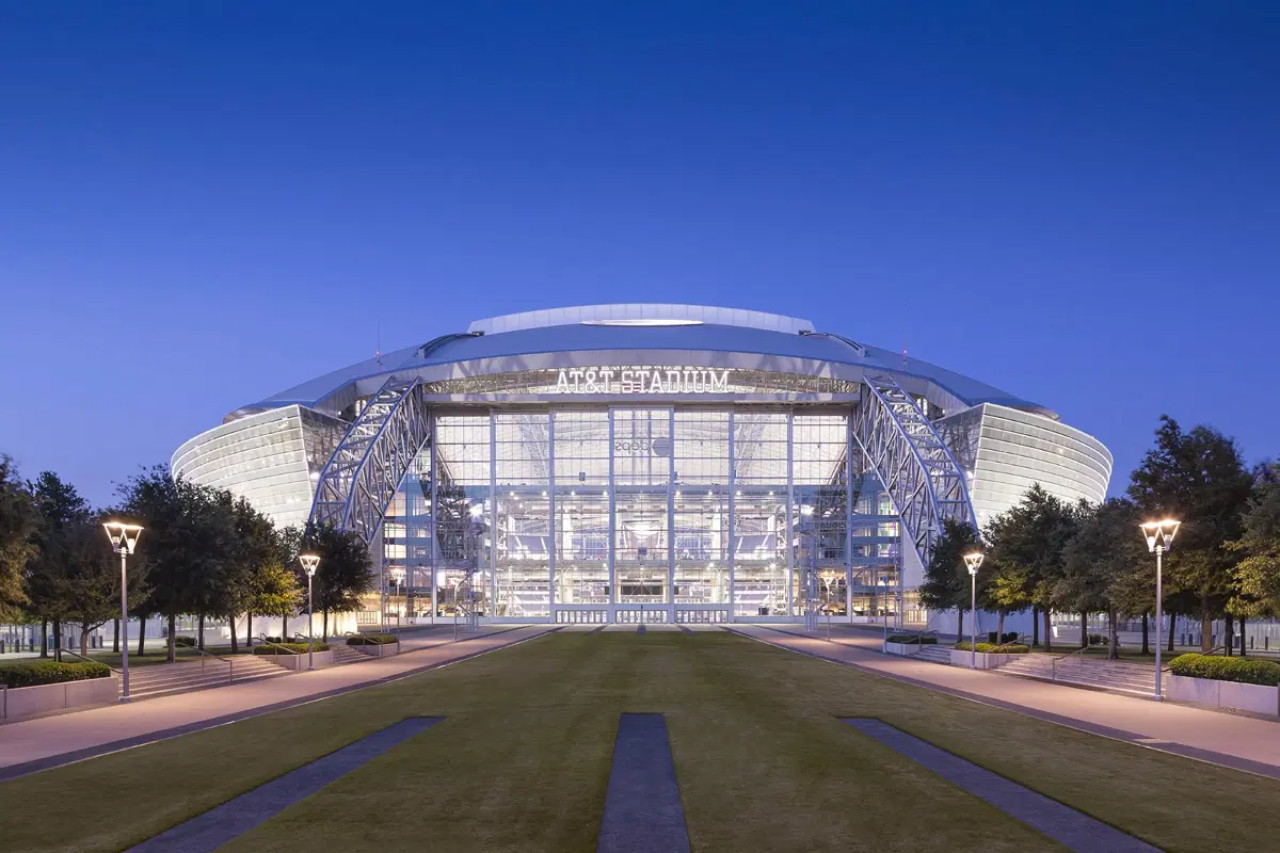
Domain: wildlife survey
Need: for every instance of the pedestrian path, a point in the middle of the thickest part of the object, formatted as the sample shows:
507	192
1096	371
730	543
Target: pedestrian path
1241	742
38	744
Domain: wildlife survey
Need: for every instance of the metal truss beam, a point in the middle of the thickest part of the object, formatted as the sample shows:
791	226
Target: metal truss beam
914	464
360	479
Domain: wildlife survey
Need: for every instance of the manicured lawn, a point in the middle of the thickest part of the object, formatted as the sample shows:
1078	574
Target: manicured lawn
522	763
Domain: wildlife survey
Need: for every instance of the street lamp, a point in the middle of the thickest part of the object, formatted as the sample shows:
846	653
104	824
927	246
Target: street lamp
124	538
973	562
397	577
1159	536
310	562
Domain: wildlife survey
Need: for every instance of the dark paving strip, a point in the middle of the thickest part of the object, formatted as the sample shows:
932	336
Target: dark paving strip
1063	824
1246	765
14	771
598	630
235	817
642	811
686	629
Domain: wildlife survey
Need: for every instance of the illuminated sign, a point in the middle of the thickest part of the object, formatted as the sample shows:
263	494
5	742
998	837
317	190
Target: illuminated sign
641	380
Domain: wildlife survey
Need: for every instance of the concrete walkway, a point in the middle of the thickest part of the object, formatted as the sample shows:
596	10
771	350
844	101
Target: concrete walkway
1240	742
38	744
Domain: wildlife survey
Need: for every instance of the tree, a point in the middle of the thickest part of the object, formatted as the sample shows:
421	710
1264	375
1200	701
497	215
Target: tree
62	514
946	579
345	570
264	584
88	586
1200	478
1102	561
188	540
18	521
1257	575
1028	545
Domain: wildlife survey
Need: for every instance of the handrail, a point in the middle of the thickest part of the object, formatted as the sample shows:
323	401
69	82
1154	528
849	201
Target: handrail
207	655
89	660
266	642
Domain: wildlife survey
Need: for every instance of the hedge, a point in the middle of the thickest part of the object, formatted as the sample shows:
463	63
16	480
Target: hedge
1007	637
1219	668
288	649
993	649
185	642
912	640
372	640
50	672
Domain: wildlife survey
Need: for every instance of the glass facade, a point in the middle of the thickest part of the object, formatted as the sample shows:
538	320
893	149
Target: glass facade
641	513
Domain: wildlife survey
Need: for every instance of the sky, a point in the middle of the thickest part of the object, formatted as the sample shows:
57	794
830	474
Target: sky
202	204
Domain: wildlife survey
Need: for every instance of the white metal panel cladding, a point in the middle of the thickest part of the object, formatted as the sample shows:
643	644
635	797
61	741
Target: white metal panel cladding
365	470
914	464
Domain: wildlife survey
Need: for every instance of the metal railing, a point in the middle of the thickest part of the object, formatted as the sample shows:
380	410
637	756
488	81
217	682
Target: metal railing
204	659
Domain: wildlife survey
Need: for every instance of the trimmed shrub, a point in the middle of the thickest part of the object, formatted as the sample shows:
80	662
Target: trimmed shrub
1098	640
912	640
185	642
288	649
1006	637
372	640
50	672
1242	670
993	649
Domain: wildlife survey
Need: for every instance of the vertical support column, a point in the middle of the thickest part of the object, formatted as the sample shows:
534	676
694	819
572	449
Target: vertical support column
433	528
613	577
671	517
733	583
551	517
848	517
791	502
493	515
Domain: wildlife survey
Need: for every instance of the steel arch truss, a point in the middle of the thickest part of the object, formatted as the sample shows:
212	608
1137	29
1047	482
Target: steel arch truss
917	469
361	478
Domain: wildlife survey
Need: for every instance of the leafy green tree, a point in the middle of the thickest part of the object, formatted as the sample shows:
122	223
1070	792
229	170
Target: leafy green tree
1200	478
1104	566
62	514
261	582
946	579
345	571
1028	545
18	524
88	585
1257	574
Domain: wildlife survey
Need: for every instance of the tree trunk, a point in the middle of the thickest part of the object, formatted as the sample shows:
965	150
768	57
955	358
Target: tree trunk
1084	628
284	627
1035	626
84	640
324	636
115	638
1000	627
142	634
1146	635
1048	632
234	646
1229	635
57	640
200	631
1113	638
1172	622
1206	629
248	630
173	640
44	638
1243	644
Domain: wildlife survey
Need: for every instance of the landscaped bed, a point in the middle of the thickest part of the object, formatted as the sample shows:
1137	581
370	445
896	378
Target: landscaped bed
1239	683
33	673
372	640
993	649
290	648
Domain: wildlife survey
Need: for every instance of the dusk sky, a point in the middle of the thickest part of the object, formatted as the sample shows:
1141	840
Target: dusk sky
202	204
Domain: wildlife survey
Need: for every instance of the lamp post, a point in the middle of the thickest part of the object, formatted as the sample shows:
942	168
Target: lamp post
973	562
310	562
124	538
397	577
1159	536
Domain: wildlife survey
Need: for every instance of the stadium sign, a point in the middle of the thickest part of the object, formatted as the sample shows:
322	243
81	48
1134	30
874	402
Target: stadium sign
641	380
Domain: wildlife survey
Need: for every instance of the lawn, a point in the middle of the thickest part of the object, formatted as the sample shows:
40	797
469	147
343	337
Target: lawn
522	763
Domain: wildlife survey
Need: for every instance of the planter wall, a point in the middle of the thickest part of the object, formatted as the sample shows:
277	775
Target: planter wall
1225	694
982	660
25	701
385	650
298	663
902	648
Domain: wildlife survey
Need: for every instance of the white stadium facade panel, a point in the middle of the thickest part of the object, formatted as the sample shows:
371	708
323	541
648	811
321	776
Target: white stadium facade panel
624	463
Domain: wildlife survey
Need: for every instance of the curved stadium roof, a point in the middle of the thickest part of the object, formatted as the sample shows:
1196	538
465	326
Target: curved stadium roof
639	328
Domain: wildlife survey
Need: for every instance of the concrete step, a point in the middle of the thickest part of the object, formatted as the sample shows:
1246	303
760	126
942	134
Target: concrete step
348	654
169	690
935	653
1116	676
169	678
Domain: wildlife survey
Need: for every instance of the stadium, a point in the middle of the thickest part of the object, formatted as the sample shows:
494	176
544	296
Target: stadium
644	463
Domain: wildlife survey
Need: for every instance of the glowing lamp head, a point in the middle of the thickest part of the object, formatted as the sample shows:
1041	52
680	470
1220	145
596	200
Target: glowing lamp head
310	562
397	575
124	537
1159	534
973	562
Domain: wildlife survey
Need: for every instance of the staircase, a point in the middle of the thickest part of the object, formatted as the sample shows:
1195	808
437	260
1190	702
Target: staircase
1118	676
147	682
936	653
348	654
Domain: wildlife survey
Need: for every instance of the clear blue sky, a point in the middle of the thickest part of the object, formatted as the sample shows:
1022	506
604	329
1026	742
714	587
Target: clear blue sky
205	203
